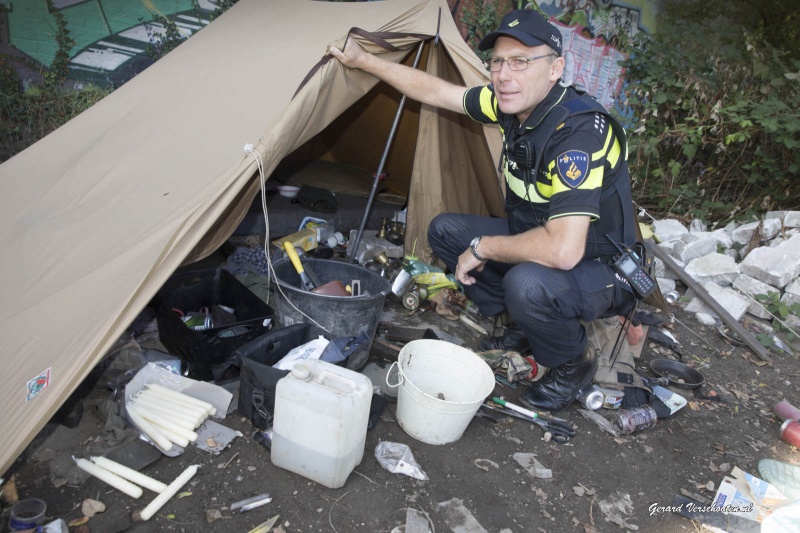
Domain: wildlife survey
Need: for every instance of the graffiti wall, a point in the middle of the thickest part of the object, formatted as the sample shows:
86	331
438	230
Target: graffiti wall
592	31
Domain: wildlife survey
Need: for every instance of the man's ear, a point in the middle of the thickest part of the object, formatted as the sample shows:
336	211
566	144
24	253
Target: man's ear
557	68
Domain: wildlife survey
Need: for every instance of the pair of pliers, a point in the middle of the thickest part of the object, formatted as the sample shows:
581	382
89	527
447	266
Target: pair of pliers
561	430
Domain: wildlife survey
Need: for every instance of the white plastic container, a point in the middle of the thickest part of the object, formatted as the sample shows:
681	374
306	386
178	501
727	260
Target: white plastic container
320	425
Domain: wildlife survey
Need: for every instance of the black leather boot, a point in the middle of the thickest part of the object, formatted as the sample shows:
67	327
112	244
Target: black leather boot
558	388
514	340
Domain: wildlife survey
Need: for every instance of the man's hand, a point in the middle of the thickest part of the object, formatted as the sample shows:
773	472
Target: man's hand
353	56
634	333
466	264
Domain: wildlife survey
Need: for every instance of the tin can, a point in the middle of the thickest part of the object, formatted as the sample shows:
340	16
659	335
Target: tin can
414	297
672	296
636	419
790	432
786	411
612	398
591	398
199	322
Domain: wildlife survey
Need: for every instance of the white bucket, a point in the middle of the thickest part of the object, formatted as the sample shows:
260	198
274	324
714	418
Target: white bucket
440	388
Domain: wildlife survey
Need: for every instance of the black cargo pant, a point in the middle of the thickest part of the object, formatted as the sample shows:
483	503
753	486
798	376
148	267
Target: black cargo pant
546	303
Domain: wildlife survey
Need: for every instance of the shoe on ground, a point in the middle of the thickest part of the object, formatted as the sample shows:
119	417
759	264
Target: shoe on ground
558	388
513	340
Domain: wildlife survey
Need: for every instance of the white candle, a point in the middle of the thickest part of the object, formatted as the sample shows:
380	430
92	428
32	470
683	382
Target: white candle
189	421
172	436
173	488
130	474
175	400
163	421
184	397
109	477
148	429
181	407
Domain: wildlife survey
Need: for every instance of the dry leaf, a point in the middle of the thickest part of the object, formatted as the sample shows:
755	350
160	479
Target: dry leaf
78	521
213	515
713	467
580	491
724	467
211	443
710	486
719	447
694	406
91	507
183	494
10	495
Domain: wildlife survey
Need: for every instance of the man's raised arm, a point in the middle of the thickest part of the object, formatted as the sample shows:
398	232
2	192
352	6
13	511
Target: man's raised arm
416	84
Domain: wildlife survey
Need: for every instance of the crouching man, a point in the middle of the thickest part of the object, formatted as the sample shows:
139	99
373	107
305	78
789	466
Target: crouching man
567	197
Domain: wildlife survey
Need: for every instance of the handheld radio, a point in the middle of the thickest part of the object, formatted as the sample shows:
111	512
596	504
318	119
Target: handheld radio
630	266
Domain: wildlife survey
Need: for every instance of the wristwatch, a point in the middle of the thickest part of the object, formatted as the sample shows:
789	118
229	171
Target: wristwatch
473	247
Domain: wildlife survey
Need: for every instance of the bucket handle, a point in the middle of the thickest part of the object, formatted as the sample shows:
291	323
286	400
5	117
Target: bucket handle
399	375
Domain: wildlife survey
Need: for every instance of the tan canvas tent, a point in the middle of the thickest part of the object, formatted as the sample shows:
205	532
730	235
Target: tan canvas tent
97	215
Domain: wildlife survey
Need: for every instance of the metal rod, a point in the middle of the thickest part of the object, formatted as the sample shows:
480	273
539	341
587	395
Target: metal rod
397	116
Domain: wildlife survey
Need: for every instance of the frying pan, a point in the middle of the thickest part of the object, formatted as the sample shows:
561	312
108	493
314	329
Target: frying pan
678	374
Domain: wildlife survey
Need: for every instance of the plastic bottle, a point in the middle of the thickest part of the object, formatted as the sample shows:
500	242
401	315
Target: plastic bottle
320	425
636	419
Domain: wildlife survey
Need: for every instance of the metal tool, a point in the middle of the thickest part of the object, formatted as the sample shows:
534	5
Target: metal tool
251	503
561	430
305	281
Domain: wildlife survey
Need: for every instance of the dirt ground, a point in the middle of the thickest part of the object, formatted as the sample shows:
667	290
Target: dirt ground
599	482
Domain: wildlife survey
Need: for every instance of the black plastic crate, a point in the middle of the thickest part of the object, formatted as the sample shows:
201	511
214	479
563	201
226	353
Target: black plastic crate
191	291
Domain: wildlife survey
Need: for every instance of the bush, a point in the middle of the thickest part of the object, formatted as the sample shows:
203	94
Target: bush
717	126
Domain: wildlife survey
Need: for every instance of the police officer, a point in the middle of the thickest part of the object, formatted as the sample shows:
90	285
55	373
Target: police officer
567	196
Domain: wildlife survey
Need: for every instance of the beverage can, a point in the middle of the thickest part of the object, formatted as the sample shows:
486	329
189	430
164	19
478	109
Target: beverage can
790	432
612	398
591	398
636	419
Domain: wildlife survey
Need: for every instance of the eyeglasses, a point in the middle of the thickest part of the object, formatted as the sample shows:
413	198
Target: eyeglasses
514	63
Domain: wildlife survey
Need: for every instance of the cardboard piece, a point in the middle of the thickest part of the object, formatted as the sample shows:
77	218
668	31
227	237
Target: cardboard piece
748	496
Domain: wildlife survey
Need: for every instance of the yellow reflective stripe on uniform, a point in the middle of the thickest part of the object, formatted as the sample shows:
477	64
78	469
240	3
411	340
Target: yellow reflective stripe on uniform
487	105
611	155
518	187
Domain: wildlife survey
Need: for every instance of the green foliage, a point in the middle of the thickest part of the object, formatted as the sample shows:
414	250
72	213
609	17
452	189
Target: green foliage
59	68
772	302
162	43
718	126
483	19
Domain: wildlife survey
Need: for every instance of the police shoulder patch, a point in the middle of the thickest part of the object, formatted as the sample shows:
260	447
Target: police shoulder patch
573	168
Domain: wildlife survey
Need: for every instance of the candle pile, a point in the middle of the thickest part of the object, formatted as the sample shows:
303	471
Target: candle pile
168	417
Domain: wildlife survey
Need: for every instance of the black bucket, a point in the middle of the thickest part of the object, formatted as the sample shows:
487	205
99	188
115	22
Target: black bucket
342	316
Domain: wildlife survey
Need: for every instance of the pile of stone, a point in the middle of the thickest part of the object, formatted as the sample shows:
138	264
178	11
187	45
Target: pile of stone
734	264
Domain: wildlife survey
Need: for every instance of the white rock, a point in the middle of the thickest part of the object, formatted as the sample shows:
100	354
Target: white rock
790	299
716	267
694	245
697	305
775	214
750	287
769	229
660	270
729	299
665	285
793	287
668	229
792	219
775	266
723	237
705	319
697	226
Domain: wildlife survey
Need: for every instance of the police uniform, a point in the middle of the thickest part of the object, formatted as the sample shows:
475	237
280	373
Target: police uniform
567	159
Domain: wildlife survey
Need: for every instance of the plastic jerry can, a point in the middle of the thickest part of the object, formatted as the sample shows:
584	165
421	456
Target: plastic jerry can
320	425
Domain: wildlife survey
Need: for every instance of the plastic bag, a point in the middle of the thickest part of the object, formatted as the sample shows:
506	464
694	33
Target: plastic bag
398	459
311	350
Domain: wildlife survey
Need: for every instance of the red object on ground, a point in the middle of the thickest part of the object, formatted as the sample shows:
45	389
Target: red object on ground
790	433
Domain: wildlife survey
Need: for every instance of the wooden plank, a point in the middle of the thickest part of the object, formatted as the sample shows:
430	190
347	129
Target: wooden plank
748	338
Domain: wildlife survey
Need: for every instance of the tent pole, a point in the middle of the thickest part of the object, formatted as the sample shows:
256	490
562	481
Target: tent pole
378	173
